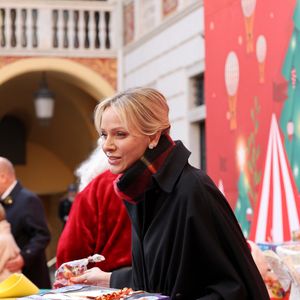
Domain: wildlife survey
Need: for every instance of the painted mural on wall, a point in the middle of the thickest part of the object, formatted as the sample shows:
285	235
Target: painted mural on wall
128	22
168	7
147	16
252	93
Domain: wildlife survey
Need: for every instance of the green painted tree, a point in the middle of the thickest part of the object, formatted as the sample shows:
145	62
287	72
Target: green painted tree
243	210
290	114
247	186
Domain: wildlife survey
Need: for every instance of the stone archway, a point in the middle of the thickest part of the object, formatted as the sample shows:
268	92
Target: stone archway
74	75
51	153
85	78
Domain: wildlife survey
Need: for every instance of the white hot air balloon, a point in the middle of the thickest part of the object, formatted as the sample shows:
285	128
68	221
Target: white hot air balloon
248	8
261	52
232	74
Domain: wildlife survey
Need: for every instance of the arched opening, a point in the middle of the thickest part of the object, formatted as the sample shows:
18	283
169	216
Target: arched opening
54	151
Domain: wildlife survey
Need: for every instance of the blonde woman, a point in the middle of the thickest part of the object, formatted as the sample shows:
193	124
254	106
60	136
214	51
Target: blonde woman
186	242
8	247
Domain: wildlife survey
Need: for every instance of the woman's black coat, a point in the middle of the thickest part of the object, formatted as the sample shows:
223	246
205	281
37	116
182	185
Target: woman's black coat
186	241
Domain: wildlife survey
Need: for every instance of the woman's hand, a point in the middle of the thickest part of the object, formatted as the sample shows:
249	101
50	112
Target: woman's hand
93	276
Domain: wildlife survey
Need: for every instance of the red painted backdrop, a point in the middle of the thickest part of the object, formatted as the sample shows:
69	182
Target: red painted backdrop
244	86
225	32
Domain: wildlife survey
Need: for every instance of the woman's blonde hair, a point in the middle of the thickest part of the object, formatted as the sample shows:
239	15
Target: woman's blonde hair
2	213
142	109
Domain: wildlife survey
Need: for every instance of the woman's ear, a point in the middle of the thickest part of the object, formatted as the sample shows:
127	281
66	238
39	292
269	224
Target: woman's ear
154	139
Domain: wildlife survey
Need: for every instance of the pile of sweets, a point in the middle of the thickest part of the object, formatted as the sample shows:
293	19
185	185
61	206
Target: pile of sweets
129	294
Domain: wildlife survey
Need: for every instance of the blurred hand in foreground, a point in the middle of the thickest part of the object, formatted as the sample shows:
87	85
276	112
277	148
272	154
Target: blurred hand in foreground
15	264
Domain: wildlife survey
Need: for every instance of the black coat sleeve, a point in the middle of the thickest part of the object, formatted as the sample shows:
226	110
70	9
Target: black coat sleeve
121	278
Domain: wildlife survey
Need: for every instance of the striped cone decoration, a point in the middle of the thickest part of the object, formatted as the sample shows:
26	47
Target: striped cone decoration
277	213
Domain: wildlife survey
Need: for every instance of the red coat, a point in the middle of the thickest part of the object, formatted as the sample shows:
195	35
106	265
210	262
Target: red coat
98	223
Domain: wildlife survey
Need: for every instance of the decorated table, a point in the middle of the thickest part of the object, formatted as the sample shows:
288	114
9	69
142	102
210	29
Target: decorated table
18	286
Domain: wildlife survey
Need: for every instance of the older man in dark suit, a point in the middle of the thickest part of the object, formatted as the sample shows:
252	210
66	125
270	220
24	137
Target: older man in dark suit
25	213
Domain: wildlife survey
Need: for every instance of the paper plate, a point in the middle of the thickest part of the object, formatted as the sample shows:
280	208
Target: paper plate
17	285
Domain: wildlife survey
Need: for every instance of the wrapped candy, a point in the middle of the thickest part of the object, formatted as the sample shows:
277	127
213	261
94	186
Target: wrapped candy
73	268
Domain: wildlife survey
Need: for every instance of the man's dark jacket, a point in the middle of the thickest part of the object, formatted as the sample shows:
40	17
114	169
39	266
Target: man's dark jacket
29	228
186	241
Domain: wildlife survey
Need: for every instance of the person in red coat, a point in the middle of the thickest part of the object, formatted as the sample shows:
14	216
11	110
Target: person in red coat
98	223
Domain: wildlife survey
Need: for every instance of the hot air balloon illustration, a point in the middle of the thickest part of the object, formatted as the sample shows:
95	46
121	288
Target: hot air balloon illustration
261	51
248	7
232	74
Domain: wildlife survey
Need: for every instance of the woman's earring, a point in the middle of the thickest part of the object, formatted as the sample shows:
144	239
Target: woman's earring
151	146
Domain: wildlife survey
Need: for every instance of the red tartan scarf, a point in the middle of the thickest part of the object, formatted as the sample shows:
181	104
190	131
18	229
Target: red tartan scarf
132	185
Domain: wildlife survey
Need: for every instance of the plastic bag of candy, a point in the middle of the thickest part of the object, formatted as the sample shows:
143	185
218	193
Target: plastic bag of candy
73	268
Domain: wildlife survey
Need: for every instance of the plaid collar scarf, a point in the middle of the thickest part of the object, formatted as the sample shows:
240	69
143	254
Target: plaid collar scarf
132	185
